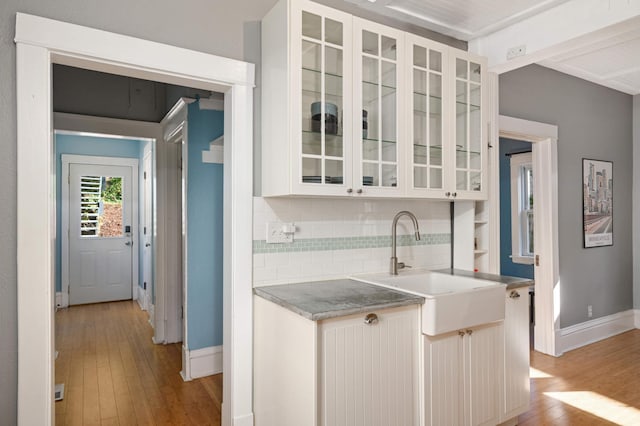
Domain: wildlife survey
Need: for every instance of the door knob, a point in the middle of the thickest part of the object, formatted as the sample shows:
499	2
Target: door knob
128	243
148	245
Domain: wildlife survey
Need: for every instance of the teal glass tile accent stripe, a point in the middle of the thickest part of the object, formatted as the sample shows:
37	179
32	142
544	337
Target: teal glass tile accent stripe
348	243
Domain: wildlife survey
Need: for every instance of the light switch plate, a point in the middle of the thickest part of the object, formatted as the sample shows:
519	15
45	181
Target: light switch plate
276	234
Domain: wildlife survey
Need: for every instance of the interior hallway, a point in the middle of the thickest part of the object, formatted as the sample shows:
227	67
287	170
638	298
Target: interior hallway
595	385
115	375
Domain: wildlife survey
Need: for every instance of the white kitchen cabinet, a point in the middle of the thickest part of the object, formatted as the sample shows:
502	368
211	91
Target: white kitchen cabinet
462	377
307	110
379	90
354	108
516	388
334	372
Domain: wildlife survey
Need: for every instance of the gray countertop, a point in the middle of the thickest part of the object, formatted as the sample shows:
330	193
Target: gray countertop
328	299
511	282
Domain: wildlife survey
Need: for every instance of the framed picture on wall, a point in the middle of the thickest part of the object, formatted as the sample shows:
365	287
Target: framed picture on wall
597	196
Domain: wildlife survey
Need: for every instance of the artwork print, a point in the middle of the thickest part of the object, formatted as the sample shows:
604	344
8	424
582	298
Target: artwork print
597	187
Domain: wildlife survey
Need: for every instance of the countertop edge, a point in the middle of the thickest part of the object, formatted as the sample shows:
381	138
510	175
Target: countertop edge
512	283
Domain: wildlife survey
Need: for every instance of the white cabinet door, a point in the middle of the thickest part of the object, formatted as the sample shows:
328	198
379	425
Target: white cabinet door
516	396
369	372
428	159
482	362
379	88
462	377
470	126
444	379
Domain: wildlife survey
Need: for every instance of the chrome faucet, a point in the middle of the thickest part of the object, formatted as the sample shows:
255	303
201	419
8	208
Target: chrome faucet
395	265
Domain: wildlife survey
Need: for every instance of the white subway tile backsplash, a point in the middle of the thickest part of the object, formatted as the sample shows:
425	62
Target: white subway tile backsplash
338	226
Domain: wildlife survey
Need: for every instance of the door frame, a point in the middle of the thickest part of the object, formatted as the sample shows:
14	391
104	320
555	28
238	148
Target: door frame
41	42
67	160
544	138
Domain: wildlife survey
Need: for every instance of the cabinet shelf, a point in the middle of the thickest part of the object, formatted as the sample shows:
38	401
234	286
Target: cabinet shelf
478	252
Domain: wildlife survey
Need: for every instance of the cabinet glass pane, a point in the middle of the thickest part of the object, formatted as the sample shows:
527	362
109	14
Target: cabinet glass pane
333	145
370	174
475	127
370	95
420	177
334	172
461	180
475	181
435	156
389	175
311	170
369	43
311	143
370	150
333	31
461	68
435	60
419	154
435	113
474	72
311	25
311	56
419	56
389	151
461	124
388	48
435	178
389	102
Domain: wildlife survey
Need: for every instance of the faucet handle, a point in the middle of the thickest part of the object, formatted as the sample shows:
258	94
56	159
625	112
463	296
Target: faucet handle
402	265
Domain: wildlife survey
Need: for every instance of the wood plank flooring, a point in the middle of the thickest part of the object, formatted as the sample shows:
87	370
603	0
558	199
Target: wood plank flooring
597	384
115	375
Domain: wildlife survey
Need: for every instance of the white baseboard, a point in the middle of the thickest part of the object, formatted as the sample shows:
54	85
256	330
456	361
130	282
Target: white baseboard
637	318
143	299
246	420
582	334
152	313
201	362
134	292
62	300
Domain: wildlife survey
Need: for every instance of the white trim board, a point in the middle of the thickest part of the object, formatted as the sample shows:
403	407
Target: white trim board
201	362
579	335
636	321
62	300
40	42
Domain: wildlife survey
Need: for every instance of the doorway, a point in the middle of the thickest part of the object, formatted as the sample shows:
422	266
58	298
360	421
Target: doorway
41	42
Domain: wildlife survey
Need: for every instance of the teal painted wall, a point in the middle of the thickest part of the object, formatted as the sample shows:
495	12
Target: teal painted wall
204	231
85	145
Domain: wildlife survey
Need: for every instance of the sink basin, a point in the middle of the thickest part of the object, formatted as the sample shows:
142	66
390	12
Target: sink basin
452	302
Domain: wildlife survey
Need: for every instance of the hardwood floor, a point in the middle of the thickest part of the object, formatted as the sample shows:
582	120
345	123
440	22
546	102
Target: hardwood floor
115	375
598	384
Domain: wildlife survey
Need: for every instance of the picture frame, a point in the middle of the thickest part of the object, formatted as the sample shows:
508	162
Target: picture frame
597	203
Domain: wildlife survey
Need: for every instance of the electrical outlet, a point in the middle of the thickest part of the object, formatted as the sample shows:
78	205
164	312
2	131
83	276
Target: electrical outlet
516	51
590	311
278	232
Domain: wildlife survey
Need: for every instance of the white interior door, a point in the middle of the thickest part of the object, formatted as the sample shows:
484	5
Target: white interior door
100	233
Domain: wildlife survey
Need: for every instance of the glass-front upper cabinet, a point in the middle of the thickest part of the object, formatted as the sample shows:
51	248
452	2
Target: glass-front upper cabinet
428	155
378	87
306	100
470	130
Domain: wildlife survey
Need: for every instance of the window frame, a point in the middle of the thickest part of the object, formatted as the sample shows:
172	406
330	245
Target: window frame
519	214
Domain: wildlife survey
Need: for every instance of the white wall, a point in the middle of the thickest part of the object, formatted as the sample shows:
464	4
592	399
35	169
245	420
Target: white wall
330	223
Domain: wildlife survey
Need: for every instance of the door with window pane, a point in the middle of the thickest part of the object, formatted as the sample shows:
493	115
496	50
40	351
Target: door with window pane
378	84
100	233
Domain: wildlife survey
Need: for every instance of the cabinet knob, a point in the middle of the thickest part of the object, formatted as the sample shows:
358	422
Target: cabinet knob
349	190
461	333
371	319
447	194
359	191
455	194
469	332
514	294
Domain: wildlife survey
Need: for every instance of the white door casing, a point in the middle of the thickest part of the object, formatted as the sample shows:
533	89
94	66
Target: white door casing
40	42
100	266
95	161
147	228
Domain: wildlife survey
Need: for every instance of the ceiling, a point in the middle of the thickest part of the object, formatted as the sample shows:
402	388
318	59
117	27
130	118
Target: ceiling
612	60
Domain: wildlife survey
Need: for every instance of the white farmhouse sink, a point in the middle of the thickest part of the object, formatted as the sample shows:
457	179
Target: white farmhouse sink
452	302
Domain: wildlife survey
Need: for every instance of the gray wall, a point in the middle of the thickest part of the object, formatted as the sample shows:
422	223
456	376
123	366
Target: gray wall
593	122
229	29
636	201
